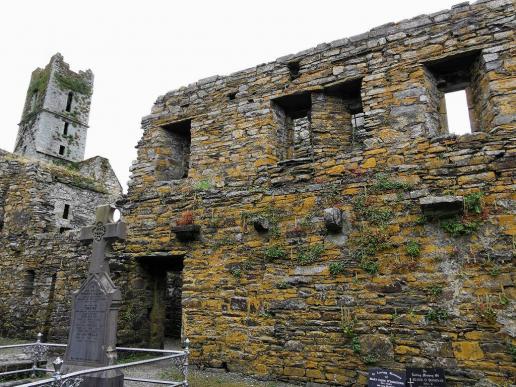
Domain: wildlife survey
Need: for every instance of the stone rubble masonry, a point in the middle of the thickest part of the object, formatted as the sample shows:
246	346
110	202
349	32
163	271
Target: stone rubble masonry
297	301
42	126
393	289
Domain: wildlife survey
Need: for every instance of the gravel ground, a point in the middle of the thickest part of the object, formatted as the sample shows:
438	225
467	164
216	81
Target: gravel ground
196	378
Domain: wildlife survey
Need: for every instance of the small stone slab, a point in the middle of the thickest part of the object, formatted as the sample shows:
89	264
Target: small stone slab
187	232
380	377
441	206
426	377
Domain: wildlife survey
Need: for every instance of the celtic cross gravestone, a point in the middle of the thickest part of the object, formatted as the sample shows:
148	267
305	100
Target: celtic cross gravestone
92	337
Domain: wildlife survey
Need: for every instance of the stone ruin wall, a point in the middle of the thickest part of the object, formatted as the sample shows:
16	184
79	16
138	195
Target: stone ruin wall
267	289
41	261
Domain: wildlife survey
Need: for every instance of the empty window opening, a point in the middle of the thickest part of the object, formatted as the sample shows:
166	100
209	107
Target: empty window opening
293	115
456	112
69	102
173	161
63	229
28	282
453	84
24	148
62	149
65	129
232	96
293	68
347	109
66	211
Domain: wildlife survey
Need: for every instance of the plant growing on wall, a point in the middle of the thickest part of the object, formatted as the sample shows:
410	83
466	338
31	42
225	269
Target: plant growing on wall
337	268
437	315
383	183
310	254
413	249
456	227
272	253
73	83
473	202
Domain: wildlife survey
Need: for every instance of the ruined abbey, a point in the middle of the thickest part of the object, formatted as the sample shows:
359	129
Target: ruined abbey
302	220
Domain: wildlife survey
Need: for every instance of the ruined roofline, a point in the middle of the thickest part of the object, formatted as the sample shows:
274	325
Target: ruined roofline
376	34
59	57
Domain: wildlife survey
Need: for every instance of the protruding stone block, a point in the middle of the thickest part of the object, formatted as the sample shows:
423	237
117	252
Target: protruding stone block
261	224
441	206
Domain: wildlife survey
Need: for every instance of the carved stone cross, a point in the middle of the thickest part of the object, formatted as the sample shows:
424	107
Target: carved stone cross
104	231
92	336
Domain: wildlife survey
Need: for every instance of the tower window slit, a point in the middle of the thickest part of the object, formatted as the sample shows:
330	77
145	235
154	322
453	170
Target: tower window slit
66	211
69	102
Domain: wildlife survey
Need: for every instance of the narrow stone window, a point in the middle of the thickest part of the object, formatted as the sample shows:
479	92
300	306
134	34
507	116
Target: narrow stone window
292	114
63	229
69	102
232	96
173	158
66	211
28	282
61	149
293	68
345	109
457	111
454	90
65	129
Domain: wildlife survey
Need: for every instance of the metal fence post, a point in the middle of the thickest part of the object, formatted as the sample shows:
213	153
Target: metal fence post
185	364
36	353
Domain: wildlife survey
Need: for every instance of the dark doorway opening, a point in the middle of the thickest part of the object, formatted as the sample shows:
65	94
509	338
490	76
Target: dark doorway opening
164	282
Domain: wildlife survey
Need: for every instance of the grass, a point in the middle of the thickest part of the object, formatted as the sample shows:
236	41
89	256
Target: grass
124	358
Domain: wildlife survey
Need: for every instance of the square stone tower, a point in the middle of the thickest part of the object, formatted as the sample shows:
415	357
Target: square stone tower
54	121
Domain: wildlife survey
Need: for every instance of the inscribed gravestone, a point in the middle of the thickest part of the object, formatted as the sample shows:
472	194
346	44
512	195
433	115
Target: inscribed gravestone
379	377
90	322
92	338
425	377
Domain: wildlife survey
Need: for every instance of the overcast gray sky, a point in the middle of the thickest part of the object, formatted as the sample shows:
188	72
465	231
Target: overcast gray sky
139	50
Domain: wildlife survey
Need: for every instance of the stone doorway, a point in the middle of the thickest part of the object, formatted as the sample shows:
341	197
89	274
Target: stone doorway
164	295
